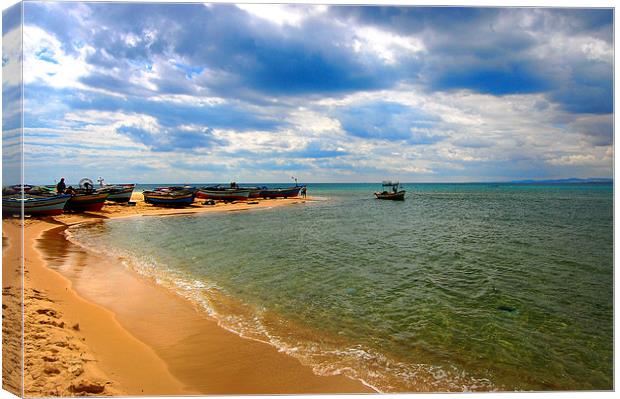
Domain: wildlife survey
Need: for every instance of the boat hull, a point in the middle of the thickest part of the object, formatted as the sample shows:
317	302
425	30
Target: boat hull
255	192
169	189
224	195
168	199
87	202
122	196
118	192
281	192
399	196
44	206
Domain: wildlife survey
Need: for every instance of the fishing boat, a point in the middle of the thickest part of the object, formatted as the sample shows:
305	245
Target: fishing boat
223	193
16	189
34	205
285	192
178	188
170	198
29	189
395	192
86	201
254	190
85	198
118	192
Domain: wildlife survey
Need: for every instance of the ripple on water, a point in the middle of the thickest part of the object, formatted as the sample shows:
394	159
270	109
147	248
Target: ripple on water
460	287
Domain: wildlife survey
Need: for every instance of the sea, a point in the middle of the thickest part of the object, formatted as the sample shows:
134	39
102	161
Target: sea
461	287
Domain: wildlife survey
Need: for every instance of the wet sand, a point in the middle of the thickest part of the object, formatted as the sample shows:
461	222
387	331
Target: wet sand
145	339
73	346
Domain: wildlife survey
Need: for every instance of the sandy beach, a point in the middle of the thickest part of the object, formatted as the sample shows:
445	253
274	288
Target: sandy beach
93	327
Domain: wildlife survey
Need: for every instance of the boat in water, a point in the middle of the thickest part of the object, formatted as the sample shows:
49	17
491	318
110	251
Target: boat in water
392	191
169	198
34	205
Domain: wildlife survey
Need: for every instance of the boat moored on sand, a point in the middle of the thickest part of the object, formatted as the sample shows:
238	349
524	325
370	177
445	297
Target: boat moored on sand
34	205
285	192
86	201
169	198
177	188
119	193
223	193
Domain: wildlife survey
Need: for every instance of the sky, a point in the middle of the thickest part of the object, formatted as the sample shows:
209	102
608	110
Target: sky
148	93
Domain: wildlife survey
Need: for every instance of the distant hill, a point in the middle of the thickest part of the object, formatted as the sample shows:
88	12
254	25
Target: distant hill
565	181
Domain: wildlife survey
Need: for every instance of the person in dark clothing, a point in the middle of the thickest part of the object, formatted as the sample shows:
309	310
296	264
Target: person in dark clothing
61	186
303	192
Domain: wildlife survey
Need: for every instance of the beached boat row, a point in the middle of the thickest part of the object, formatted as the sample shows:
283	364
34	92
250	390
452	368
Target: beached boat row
47	201
54	200
183	196
237	193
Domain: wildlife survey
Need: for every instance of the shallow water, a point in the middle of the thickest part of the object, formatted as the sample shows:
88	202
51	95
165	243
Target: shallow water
460	287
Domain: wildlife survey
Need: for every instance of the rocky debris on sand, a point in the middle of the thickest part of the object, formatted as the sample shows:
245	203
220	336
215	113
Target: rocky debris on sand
83	387
55	356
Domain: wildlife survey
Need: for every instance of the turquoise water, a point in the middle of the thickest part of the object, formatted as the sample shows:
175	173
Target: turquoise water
459	287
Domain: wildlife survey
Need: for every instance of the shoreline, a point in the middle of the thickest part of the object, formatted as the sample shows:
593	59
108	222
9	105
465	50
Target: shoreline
73	346
141	209
199	356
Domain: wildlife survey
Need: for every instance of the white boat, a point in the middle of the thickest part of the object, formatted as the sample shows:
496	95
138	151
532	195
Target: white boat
34	205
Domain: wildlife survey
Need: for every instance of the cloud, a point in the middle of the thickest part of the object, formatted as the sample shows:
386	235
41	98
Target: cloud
436	92
472	142
166	140
284	166
486	78
12	18
232	46
565	53
169	113
206	166
597	129
317	150
385	120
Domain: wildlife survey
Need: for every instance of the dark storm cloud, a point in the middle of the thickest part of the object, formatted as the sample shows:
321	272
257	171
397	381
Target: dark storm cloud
486	50
196	69
492	50
314	58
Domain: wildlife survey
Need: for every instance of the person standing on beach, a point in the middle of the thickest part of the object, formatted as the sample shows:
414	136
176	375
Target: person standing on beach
303	192
61	186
